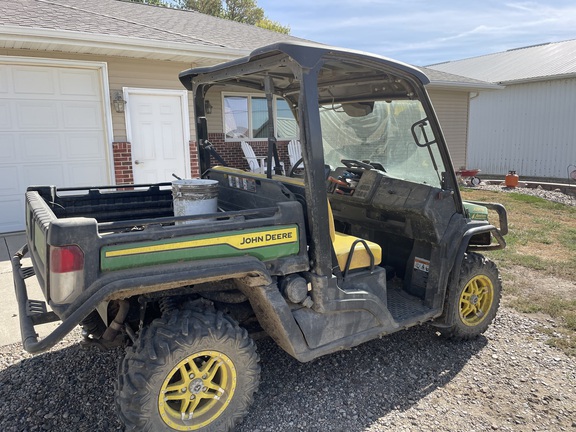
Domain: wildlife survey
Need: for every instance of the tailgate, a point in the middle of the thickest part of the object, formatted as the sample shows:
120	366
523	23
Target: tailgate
38	219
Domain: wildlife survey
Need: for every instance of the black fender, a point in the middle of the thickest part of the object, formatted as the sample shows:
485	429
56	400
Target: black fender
126	283
464	245
497	233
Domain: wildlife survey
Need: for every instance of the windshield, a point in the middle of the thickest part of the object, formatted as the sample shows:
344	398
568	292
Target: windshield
383	133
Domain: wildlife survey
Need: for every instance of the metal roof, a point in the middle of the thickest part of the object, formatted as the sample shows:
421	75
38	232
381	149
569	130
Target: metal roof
534	63
449	81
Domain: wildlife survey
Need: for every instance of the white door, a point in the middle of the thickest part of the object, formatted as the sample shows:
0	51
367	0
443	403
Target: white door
53	131
158	129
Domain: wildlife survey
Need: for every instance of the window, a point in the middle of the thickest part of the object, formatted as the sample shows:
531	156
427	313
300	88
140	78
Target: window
246	116
383	132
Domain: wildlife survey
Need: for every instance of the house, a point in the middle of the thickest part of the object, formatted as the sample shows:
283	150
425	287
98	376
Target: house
450	94
89	95
528	126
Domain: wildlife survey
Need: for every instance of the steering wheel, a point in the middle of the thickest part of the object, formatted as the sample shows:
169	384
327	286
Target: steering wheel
296	166
356	164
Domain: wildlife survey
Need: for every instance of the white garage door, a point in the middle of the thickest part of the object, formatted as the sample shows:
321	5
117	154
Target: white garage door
52	132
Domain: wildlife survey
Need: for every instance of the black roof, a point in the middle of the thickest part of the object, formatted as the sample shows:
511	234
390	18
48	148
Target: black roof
308	55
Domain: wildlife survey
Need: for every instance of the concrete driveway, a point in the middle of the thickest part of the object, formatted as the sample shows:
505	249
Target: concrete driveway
9	321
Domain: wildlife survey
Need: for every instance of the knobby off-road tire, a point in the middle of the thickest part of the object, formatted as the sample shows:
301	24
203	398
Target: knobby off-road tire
191	370
473	298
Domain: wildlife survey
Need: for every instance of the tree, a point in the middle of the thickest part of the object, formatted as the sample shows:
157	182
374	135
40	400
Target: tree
243	11
268	24
208	7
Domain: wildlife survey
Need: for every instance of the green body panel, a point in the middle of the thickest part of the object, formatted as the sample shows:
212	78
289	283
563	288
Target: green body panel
266	244
475	211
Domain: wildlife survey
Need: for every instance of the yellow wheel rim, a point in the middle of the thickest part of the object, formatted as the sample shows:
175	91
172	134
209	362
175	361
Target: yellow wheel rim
197	390
476	300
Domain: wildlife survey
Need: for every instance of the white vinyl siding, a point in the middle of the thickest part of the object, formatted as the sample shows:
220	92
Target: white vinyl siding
452	111
529	128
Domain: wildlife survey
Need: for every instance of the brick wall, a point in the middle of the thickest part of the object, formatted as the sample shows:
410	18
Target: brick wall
230	151
122	153
194	162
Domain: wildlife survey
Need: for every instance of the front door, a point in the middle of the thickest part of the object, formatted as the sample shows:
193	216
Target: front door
158	129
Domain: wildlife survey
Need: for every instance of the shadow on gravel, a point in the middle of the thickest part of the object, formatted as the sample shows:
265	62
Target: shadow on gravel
350	390
73	389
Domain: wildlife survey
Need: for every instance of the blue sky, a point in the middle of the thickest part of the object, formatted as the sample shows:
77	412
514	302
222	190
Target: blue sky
425	32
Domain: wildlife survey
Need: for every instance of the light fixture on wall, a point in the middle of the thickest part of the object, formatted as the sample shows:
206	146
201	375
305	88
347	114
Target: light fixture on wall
208	107
118	103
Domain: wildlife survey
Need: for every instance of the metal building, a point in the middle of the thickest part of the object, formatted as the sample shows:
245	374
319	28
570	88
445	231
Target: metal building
529	125
450	95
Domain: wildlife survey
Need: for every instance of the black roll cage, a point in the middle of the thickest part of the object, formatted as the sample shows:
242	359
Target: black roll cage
292	71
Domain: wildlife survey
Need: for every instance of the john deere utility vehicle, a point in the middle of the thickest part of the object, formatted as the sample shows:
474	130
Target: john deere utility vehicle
366	235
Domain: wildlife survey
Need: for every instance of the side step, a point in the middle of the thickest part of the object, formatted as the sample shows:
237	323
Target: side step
27	272
38	313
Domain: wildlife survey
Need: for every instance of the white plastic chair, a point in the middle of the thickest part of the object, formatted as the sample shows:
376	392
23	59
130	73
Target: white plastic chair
257	163
294	152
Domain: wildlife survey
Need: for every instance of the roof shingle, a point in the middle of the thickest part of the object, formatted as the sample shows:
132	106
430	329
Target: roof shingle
127	19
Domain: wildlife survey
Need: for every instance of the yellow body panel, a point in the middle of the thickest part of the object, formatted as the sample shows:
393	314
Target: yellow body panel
239	172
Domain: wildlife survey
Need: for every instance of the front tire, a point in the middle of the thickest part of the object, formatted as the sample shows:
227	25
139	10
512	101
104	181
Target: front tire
191	370
473	298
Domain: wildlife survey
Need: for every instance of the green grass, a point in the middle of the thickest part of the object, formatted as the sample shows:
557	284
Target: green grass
569	240
536	201
542	238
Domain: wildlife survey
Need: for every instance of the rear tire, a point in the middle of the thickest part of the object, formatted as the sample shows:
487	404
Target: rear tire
191	370
473	298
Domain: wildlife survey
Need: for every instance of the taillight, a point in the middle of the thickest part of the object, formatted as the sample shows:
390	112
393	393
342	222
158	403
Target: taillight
66	273
66	259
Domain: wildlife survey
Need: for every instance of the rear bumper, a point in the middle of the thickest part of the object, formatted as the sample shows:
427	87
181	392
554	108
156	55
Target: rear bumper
120	285
33	312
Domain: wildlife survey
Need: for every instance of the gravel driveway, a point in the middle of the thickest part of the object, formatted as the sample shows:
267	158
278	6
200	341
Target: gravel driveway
507	380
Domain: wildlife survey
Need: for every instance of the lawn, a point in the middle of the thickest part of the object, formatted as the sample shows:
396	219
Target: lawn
538	267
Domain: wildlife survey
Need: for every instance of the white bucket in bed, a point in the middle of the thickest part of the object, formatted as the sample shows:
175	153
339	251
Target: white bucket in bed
194	197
